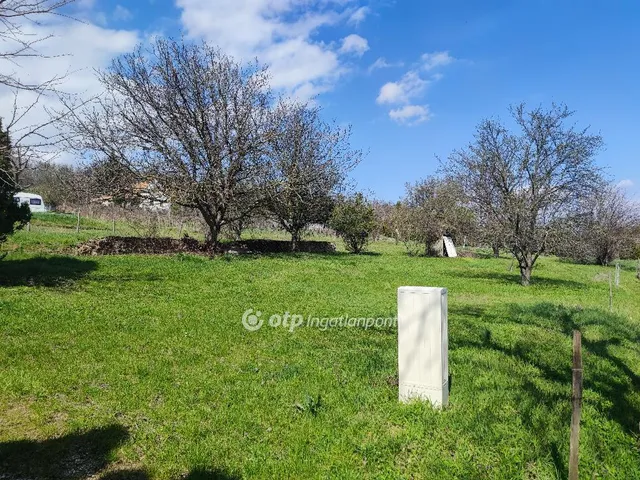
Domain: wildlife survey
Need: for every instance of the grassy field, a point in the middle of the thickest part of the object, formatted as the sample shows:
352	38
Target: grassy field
139	367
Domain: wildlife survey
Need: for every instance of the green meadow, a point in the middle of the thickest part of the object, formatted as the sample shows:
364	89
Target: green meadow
139	367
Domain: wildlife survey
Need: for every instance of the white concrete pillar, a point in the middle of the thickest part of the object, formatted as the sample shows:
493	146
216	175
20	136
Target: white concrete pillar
423	345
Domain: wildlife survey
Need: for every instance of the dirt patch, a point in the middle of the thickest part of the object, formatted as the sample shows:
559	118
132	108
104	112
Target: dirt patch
164	245
140	245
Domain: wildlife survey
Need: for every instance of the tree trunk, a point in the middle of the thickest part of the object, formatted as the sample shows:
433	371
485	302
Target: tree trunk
214	231
496	251
214	234
525	273
295	241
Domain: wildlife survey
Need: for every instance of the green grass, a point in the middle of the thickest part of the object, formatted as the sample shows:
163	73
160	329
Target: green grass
141	365
56	233
68	221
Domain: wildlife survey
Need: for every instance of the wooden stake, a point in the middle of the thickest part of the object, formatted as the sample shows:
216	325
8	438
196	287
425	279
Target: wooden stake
610	294
113	227
576	406
78	223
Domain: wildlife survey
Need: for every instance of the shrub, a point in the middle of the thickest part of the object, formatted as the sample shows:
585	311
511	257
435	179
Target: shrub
353	219
12	215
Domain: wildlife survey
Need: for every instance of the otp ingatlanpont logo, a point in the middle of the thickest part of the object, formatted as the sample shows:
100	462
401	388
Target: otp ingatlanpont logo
252	321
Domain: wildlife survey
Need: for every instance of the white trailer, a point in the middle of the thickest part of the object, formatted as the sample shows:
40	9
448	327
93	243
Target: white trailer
35	202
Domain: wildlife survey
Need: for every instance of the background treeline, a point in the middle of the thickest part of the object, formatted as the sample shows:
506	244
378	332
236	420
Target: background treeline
184	123
609	227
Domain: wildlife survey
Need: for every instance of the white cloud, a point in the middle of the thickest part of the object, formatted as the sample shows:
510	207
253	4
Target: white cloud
280	33
381	63
86	4
75	49
436	59
86	11
354	44
409	86
410	114
625	183
122	14
296	63
359	16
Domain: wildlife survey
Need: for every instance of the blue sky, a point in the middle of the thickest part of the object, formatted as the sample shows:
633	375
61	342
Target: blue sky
413	78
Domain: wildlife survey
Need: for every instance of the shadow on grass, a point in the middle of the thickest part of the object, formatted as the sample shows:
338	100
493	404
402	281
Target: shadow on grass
487	255
43	271
543	341
79	456
293	255
196	474
514	278
73	456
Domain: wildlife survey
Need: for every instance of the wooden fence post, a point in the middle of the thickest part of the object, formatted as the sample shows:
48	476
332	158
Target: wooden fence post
610	293
78	223
576	406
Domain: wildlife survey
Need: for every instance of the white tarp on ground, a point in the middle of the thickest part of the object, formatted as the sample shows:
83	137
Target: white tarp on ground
449	247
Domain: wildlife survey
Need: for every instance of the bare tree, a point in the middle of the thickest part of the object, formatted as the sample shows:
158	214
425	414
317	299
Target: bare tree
52	181
614	218
188	118
602	230
384	215
31	142
20	39
17	17
490	233
308	162
525	182
111	178
432	208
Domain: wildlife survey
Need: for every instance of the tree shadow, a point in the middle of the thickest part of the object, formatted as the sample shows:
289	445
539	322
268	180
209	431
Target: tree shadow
608	379
366	253
71	457
195	474
79	456
44	271
292	255
514	278
487	255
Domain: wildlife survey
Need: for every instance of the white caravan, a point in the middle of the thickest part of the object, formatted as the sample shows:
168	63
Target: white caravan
35	202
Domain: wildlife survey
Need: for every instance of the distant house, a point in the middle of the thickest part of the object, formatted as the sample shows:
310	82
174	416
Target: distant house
35	202
151	197
146	195
104	200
